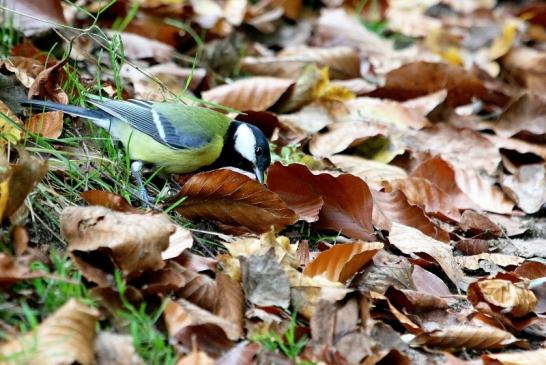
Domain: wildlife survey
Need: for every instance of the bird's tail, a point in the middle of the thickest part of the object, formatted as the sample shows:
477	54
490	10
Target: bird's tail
98	117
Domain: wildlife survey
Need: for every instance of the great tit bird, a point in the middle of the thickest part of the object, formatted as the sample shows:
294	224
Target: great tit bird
173	136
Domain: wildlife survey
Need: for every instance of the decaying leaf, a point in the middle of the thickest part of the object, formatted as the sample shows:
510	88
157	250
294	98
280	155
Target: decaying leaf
421	78
516	358
109	200
115	349
473	262
394	207
410	241
234	199
342	261
230	300
503	294
66	337
10	125
255	93
14	269
347	199
372	172
528	187
131	242
462	336
196	358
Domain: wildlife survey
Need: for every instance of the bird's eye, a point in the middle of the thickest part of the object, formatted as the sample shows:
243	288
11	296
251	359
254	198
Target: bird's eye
259	151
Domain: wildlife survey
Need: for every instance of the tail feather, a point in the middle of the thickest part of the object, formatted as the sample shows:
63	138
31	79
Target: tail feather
98	117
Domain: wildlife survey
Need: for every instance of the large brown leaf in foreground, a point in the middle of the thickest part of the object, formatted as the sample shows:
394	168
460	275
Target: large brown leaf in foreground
347	199
342	261
234	199
504	295
66	337
131	242
421	78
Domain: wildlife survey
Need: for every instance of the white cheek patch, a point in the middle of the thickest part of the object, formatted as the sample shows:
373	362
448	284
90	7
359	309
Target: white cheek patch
245	143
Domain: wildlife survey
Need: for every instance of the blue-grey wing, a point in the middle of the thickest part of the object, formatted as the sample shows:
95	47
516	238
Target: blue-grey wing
143	116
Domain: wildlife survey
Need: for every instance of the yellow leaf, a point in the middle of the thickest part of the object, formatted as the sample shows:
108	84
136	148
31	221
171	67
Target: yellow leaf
10	130
502	44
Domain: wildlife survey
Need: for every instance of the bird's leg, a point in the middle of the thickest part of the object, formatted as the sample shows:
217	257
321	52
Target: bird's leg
136	171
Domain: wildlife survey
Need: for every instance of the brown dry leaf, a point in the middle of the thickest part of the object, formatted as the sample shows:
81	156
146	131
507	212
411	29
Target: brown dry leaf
342	62
181	314
342	261
347	199
10	125
482	191
255	93
442	175
531	270
387	270
473	262
526	114
23	177
234	199
477	224
384	112
528	187
108	200
242	354
180	241
427	103
462	147
532	357
381	301
425	194
264	280
131	242
372	172
414	301
422	78
48	124
527	65
309	119
509	297
230	300
196	358
427	282
48	83
341	136
410	241
116	349
25	69
393	207
517	145
464	336
32	17
65	337
14	269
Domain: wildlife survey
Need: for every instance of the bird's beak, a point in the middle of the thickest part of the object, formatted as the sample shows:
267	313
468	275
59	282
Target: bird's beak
260	174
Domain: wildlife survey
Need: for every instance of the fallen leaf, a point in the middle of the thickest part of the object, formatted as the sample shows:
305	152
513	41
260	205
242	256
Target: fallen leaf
196	358
476	224
65	337
309	119
525	64
108	200
180	241
516	358
472	246
264	281
503	294
427	282
255	93
48	83
234	199
230	300
347	199
25	69
131	242
424	193
422	78
410	241
414	301
531	270
242	354
393	207
387	270
342	261
463	336
14	269
48	124
342	62
116	349
181	314
527	186
341	136
31	17
473	262
372	172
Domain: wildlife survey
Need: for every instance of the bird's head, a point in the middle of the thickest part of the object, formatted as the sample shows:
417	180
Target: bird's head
252	146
